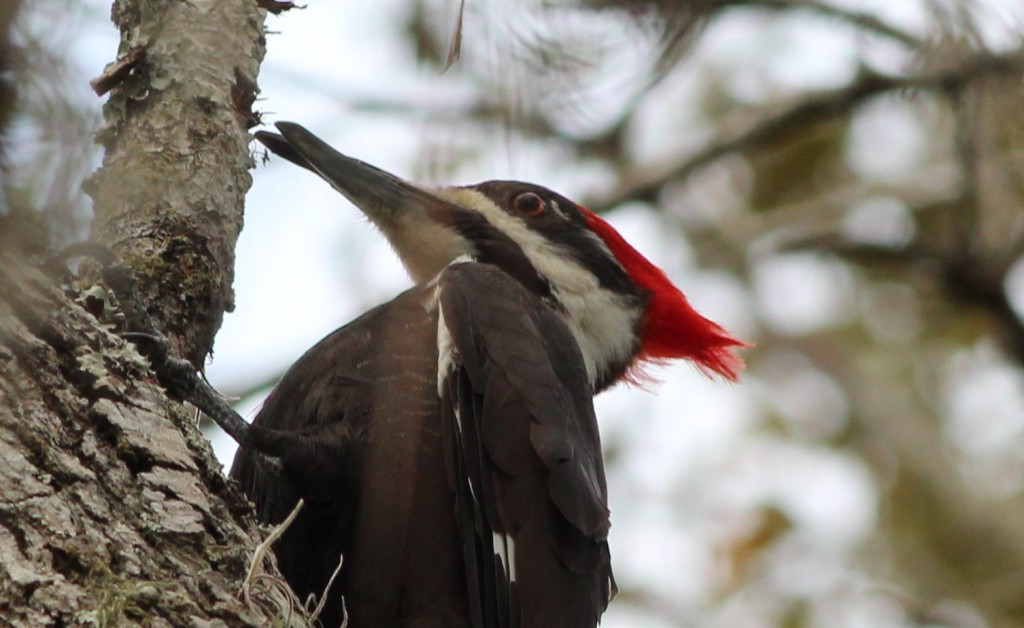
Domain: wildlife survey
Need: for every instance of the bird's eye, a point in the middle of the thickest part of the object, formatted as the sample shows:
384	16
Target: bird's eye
528	204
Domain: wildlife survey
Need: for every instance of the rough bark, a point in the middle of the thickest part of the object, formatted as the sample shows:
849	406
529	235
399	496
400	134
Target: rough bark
170	194
113	510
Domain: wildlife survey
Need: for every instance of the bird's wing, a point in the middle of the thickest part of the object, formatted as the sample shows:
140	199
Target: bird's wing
523	455
308	420
314	422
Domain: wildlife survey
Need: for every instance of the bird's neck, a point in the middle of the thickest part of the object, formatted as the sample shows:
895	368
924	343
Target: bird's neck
605	325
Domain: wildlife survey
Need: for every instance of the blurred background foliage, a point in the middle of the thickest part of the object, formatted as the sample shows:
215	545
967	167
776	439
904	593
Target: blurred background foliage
837	181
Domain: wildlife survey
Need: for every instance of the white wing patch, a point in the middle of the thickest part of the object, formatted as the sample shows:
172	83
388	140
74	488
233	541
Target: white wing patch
446	351
505	550
445	355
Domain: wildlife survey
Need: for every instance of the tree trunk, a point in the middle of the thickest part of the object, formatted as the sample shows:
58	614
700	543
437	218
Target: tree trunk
170	194
113	510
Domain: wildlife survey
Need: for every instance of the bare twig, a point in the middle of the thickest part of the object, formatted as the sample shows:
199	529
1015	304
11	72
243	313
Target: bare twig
323	596
963	279
861	20
864	252
455	43
967	161
115	73
285	606
813	110
263	548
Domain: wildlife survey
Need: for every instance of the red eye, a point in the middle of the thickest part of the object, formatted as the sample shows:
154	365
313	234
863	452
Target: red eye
528	204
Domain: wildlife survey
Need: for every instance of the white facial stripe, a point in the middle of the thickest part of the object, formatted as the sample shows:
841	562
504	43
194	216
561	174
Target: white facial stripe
602	321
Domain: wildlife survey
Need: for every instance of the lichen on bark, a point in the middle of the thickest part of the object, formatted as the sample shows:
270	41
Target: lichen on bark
169	196
113	510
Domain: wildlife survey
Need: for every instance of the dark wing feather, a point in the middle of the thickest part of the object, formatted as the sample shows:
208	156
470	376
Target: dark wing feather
315	421
465	476
524	455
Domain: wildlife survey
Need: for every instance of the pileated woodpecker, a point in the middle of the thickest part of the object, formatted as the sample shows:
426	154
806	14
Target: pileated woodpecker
445	442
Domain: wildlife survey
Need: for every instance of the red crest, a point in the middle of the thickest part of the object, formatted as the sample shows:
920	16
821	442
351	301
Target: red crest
671	327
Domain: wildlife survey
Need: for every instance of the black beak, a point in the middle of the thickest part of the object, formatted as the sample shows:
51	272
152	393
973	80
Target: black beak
379	194
417	222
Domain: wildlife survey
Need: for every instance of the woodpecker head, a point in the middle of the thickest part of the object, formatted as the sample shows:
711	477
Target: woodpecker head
623	310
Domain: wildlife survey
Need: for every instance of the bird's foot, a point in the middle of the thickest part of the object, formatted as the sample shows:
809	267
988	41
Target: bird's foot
178	377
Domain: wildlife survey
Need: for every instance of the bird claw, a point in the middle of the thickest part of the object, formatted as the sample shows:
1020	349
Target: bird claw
179	377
